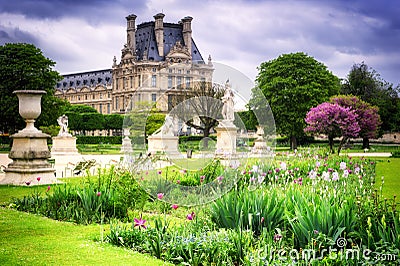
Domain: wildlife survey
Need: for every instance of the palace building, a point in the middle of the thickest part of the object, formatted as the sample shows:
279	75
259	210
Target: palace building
158	60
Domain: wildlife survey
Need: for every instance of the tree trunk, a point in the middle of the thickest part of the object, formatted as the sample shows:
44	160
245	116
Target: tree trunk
342	142
331	143
206	133
293	142
365	143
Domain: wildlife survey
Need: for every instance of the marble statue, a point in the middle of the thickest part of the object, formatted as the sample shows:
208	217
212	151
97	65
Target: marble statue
63	123
228	112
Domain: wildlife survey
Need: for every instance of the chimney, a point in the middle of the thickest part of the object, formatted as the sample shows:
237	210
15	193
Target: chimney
130	33
187	33
159	31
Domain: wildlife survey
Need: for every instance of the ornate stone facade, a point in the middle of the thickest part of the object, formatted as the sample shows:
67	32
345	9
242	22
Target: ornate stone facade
158	60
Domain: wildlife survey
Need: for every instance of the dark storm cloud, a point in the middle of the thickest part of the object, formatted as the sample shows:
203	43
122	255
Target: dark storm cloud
14	35
93	11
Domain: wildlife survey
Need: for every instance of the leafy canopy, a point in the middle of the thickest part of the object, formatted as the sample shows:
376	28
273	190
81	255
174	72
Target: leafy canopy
24	67
292	84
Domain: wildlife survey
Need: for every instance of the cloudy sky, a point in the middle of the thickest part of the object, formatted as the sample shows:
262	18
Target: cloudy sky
82	35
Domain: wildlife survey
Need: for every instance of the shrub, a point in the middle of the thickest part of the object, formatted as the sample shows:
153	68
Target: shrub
98	139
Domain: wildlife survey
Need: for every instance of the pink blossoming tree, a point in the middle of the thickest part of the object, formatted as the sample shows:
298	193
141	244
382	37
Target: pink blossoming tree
368	118
334	121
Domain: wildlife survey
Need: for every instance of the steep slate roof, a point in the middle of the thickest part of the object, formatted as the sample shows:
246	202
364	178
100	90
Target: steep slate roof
146	41
86	79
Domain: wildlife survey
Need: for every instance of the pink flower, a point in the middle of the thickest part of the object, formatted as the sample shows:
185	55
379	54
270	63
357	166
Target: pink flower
160	196
174	206
159	172
140	223
98	194
28	183
38	178
262	219
202	178
178	181
277	237
48	188
190	216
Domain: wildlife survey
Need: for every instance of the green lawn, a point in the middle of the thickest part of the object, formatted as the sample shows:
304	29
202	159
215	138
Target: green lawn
28	239
389	168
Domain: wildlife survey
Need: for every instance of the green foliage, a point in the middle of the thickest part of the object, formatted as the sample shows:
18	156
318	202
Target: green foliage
292	84
98	139
52	130
366	83
110	196
92	121
24	67
249	210
113	121
248	119
154	121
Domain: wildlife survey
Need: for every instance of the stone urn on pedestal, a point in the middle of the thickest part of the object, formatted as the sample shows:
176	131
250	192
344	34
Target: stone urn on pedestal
126	142
29	150
260	145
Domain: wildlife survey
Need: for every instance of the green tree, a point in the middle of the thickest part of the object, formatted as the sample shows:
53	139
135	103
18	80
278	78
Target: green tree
292	84
154	121
24	67
113	122
366	83
248	118
202	101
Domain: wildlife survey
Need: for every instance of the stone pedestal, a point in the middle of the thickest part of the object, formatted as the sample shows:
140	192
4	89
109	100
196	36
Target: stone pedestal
64	145
260	145
162	143
29	153
29	150
226	139
126	145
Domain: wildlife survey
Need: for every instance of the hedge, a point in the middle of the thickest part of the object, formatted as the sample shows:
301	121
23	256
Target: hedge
98	139
194	138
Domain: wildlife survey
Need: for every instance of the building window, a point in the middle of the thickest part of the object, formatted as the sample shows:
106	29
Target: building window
187	82
125	83
140	80
203	79
131	81
101	108
154	81
153	97
188	72
179	82
170	70
94	97
108	108
179	71
116	103
169	82
86	97
154	69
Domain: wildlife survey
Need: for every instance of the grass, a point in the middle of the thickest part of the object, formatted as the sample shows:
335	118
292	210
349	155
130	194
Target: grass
34	240
389	168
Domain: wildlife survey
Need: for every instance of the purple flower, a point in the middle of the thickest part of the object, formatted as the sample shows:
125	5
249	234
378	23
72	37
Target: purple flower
277	237
38	178
140	223
159	172
174	206
190	216
262	219
178	181
316	232
48	188
160	196
28	183
202	178
98	194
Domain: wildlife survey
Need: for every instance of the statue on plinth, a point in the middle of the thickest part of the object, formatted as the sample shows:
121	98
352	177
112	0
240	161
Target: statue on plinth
228	112
63	123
